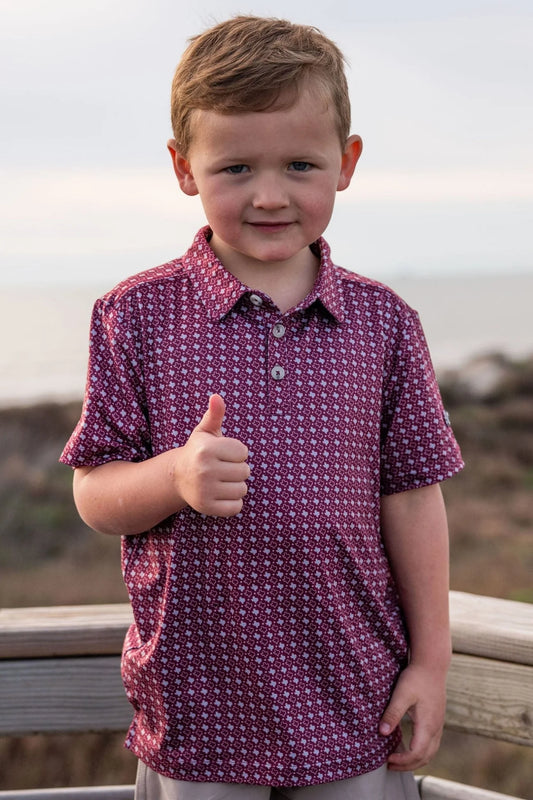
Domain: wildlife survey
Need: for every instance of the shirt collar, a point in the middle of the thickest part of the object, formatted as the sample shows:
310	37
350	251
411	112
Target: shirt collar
328	285
219	290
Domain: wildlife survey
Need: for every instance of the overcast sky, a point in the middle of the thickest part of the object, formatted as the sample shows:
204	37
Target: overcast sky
441	95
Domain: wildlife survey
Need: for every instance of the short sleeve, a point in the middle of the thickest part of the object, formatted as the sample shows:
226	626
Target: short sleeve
114	424
418	447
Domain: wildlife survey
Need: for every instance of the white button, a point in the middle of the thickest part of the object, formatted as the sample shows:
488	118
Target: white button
278	373
278	330
255	300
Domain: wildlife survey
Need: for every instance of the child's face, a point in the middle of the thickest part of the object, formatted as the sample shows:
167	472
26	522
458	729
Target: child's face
267	180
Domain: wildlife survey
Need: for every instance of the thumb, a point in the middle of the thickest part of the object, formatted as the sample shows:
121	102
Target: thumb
211	421
391	718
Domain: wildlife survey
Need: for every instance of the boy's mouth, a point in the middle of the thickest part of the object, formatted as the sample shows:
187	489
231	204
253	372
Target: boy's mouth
270	226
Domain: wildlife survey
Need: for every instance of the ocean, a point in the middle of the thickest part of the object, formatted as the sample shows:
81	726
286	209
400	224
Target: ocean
44	331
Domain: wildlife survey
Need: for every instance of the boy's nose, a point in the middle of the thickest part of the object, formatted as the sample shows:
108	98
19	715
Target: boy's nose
269	194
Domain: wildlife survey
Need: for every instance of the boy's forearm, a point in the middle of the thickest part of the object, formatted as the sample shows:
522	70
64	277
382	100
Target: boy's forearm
125	498
415	532
208	473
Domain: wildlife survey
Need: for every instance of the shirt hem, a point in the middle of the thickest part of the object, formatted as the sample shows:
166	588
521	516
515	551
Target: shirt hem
314	776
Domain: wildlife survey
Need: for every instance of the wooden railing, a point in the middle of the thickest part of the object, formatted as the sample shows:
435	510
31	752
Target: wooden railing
60	671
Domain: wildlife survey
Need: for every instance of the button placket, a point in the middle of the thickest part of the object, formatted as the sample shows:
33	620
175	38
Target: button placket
278	367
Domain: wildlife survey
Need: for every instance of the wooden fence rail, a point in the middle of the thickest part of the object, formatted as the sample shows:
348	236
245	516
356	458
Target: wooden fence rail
60	671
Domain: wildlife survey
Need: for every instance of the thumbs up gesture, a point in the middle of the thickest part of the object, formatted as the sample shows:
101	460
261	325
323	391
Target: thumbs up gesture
212	473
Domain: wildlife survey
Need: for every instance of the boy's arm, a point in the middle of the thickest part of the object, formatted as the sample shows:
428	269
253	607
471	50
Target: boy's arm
208	473
415	533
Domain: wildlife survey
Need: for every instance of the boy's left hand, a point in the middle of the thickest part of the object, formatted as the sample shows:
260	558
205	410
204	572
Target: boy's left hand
421	694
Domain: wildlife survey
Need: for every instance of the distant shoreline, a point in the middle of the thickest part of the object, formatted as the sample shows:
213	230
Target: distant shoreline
463	317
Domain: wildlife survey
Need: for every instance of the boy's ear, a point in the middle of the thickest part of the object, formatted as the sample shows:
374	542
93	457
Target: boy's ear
182	168
350	157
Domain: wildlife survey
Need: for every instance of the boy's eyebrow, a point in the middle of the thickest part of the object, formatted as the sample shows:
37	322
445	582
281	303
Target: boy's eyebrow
295	155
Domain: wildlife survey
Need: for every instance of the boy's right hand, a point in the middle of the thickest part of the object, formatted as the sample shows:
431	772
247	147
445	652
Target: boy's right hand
212	473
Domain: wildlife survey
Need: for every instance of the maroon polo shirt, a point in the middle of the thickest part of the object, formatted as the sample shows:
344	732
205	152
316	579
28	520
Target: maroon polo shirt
265	646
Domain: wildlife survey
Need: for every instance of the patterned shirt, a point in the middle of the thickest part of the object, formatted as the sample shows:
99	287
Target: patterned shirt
265	646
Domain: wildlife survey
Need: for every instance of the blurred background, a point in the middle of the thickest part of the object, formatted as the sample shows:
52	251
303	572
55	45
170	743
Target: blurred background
441	209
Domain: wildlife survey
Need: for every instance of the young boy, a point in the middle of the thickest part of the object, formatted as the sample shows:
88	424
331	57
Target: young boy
264	430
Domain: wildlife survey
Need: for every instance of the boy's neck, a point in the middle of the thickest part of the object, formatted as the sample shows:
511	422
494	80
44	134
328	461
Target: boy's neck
287	283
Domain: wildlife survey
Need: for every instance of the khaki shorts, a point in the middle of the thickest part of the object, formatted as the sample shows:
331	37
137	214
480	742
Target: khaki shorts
382	784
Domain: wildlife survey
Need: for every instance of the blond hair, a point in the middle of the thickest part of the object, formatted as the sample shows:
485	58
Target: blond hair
250	63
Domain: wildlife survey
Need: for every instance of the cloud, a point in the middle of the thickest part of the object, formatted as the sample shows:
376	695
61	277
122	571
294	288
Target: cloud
434	186
65	211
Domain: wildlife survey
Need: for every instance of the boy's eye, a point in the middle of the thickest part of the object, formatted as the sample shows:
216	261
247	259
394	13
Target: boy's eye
300	166
237	169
